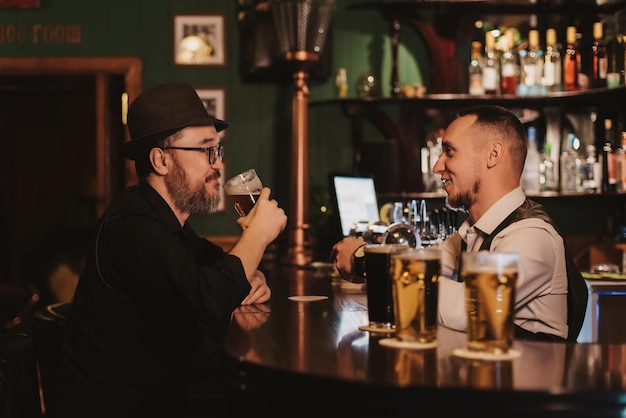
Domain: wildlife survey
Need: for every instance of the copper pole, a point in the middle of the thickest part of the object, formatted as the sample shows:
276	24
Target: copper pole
299	251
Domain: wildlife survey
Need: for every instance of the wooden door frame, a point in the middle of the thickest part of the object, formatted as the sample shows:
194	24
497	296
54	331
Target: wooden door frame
101	67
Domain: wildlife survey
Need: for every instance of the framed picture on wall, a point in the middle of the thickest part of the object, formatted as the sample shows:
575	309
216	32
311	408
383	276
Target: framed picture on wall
214	100
199	39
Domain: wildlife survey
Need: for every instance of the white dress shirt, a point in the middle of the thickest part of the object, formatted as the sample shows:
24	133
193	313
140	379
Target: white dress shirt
541	292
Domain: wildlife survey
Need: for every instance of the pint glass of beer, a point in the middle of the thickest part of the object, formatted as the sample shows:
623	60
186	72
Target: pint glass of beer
490	279
244	190
415	293
378	284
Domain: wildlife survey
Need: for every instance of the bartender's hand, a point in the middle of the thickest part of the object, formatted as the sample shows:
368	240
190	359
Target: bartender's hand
260	291
343	252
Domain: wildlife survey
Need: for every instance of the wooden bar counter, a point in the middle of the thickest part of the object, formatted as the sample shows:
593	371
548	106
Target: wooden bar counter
309	358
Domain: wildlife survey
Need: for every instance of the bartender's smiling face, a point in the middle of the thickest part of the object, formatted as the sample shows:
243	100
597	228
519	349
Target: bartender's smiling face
458	164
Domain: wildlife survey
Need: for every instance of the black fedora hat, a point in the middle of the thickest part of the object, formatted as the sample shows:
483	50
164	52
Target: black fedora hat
163	110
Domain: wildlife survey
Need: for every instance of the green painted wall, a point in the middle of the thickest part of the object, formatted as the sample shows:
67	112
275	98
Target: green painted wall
260	112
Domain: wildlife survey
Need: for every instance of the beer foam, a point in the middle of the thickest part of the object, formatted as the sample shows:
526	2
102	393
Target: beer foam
384	248
479	355
420	254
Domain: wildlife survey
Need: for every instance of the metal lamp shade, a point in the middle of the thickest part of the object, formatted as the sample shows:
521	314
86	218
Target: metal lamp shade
302	25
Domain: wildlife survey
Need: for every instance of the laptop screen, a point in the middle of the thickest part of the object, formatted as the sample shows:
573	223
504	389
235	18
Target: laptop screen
354	196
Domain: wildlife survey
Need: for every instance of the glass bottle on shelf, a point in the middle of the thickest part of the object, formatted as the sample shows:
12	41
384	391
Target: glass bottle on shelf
531	63
552	63
589	171
619	167
548	179
341	82
609	175
491	67
475	70
599	63
571	61
570	163
509	67
530	176
622	159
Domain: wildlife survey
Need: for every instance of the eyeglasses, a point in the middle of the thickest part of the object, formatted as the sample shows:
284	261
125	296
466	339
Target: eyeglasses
213	152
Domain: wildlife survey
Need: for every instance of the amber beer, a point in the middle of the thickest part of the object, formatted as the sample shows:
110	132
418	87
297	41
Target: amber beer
490	279
415	290
243	190
243	202
378	283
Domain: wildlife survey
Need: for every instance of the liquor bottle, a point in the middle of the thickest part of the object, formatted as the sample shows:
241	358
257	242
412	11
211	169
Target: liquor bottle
341	82
570	163
552	80
619	166
571	61
531	63
622	156
599	64
491	67
509	68
589	172
609	175
475	70
530	175
547	170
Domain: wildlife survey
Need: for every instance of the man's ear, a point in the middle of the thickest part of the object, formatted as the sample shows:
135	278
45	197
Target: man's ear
495	151
159	160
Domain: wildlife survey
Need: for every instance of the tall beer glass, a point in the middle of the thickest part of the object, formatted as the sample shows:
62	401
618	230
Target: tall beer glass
490	279
415	294
378	284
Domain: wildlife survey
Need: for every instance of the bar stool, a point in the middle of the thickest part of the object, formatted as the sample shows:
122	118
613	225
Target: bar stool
19	390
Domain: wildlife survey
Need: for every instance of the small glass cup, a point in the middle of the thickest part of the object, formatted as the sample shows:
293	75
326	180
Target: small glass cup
243	190
490	280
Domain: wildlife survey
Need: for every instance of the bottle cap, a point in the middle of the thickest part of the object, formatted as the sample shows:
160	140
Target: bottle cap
597	31
490	40
551	36
571	35
533	39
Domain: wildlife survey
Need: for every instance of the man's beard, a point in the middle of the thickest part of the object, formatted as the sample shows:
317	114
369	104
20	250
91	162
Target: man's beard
463	201
188	198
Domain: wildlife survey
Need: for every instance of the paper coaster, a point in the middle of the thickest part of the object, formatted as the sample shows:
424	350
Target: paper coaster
307	298
477	355
411	345
377	329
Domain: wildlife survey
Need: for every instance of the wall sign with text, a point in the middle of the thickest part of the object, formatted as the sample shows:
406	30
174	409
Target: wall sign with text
20	4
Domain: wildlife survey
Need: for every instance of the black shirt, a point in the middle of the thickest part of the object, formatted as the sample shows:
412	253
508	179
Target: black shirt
148	285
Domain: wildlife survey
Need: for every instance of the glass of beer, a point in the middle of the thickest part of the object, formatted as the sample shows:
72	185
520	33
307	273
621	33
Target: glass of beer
244	190
490	279
415	294
378	284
